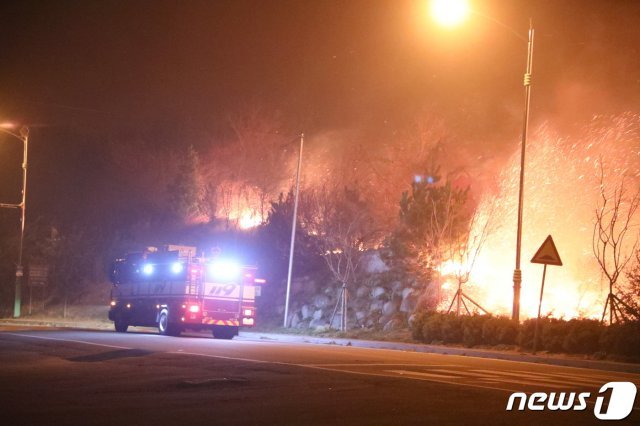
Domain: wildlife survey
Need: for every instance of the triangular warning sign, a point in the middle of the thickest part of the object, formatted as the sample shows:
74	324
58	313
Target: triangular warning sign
547	253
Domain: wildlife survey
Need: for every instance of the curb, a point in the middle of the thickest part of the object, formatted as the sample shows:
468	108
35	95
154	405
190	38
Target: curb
90	325
447	350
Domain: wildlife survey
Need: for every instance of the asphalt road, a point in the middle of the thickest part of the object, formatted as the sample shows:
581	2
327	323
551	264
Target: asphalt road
102	377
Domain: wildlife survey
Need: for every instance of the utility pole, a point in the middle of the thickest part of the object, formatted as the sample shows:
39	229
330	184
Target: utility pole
293	232
24	137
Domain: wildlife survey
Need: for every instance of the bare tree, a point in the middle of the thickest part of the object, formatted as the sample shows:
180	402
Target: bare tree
464	249
613	223
343	223
631	294
250	168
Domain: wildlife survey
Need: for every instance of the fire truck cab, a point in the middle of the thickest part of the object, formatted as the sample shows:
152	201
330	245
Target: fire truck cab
174	290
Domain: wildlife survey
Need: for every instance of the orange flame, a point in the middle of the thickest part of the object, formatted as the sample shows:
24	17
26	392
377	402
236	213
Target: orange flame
560	198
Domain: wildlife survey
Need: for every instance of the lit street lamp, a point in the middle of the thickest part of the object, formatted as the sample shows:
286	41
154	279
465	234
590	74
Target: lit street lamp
449	13
24	137
452	12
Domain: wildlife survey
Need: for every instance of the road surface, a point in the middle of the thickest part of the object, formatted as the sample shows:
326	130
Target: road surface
102	377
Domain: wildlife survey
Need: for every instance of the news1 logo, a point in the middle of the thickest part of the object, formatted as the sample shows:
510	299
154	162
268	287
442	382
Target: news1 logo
620	403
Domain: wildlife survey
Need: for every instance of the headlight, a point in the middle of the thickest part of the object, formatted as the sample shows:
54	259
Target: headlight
176	267
224	270
147	269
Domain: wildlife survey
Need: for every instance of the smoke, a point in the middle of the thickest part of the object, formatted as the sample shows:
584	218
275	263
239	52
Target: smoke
561	194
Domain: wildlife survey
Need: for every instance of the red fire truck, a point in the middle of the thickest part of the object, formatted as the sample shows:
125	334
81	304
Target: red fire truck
174	290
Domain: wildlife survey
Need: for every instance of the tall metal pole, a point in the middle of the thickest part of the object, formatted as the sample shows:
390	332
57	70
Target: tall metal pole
24	137
24	132
293	232
535	334
517	273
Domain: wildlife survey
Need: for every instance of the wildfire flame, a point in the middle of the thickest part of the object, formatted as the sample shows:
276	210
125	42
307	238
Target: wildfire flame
560	198
248	219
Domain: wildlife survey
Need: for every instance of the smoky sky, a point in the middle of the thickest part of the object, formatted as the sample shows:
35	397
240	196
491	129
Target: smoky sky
81	73
324	63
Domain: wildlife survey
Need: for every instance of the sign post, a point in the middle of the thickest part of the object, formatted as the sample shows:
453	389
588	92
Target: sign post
38	275
547	254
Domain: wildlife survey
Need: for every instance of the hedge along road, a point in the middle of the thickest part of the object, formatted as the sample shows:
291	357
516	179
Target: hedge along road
82	377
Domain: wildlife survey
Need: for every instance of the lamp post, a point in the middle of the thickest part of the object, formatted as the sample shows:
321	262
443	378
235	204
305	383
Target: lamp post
293	232
517	273
24	137
452	12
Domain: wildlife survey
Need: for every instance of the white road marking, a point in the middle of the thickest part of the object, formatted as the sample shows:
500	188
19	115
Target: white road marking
554	384
544	377
595	377
381	364
398	374
67	340
231	358
455	375
309	366
405	374
424	374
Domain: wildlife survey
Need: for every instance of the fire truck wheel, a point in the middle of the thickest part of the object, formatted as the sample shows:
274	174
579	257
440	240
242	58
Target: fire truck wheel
165	327
224	332
121	325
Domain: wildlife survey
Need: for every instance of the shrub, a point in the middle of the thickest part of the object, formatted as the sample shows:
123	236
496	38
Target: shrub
582	336
499	331
416	324
432	329
579	336
621	339
472	330
551	334
451	328
525	333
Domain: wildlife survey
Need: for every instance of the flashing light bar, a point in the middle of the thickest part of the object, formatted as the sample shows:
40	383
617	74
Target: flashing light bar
224	270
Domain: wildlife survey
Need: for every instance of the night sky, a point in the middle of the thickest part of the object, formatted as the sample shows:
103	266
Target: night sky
331	62
85	71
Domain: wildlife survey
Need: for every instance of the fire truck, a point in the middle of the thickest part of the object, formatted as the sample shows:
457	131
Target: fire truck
174	290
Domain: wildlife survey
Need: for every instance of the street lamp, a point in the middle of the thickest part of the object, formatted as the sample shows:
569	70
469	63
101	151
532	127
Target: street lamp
24	137
293	232
451	12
